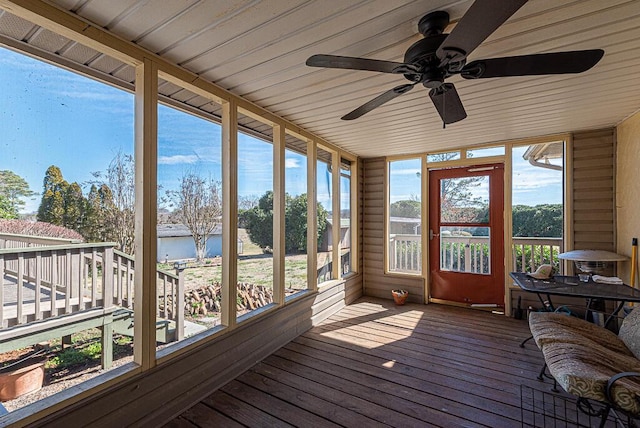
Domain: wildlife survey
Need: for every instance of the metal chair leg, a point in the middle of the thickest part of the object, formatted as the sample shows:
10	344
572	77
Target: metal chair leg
605	415
541	375
525	341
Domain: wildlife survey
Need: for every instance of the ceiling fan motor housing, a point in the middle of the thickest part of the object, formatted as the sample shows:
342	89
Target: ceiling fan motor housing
422	54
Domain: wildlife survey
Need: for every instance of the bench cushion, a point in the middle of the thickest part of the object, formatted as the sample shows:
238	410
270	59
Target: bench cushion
583	369
630	331
550	327
582	356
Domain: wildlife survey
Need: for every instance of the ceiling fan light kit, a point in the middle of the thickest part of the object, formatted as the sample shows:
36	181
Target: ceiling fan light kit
438	56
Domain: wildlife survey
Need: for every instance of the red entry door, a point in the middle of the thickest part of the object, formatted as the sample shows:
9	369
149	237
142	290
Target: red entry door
466	244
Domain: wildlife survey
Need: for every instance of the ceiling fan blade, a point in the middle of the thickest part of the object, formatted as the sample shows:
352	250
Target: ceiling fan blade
482	19
532	65
378	101
353	63
448	103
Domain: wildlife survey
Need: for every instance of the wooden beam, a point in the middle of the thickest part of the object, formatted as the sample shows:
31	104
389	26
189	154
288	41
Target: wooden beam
279	229
312	222
75	28
424	222
354	216
508	226
335	207
229	212
146	184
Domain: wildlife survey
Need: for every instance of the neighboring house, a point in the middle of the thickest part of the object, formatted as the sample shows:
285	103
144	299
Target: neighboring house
175	242
405	225
327	237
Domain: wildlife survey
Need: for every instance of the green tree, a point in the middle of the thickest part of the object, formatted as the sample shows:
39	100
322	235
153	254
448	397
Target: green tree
259	222
538	221
13	188
7	210
95	227
405	208
74	207
62	204
52	206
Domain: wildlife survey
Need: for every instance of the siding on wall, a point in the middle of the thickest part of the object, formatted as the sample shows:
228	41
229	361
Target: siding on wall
593	184
376	282
627	189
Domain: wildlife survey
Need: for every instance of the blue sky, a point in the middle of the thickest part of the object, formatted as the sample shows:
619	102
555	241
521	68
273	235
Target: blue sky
49	116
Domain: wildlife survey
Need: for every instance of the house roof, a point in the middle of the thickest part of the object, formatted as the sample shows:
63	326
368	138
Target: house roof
344	222
257	50
179	230
405	220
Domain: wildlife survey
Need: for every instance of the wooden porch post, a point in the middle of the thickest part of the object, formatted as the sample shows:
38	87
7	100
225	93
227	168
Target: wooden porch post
146	187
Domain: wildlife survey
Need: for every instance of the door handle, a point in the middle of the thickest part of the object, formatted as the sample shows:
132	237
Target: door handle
431	234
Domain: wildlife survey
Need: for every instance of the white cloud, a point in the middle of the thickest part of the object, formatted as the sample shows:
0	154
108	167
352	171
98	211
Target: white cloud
291	163
177	159
533	178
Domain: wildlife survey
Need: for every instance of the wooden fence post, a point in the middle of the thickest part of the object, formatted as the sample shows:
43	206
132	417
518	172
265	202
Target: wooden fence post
467	257
179	302
107	277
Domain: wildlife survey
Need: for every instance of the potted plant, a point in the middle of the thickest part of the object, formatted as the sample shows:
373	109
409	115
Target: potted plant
22	377
400	296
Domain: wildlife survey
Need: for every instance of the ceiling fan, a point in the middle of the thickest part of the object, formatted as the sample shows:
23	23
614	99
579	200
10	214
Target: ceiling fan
438	56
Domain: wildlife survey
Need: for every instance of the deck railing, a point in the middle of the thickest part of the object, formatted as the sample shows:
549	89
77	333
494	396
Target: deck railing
405	253
529	253
471	253
40	282
465	254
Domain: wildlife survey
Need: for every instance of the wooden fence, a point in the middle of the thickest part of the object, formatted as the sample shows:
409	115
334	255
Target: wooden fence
42	281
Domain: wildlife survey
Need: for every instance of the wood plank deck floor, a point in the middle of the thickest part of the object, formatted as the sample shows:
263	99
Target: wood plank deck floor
375	364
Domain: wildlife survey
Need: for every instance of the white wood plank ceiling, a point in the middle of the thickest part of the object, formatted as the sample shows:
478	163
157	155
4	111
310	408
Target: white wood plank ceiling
257	50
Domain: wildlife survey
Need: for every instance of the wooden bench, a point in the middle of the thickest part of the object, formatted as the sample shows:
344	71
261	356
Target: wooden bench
51	328
591	362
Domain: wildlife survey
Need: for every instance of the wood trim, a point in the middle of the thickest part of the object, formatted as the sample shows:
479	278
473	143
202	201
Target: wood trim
385	210
146	164
75	28
229	212
508	224
465	162
615	193
336	215
279	228
312	222
568	202
425	228
539	140
354	216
